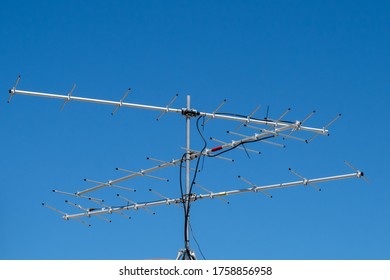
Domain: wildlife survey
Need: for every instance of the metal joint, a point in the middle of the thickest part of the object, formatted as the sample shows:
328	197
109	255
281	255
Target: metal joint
298	125
190	113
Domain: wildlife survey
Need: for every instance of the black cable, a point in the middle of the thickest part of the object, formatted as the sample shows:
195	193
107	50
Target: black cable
247	141
187	220
184	207
187	200
200	154
196	241
181	167
241	143
246	151
232	114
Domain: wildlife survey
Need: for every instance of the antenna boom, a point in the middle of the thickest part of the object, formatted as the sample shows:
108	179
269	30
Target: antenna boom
192	197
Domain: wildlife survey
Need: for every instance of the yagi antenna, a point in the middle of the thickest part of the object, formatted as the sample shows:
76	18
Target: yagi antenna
267	129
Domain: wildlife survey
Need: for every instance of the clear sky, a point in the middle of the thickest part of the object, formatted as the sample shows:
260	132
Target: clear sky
328	56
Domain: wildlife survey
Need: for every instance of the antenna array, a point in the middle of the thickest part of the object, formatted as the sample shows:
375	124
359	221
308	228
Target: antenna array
265	130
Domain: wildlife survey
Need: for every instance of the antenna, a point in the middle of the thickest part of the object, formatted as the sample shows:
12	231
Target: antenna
267	129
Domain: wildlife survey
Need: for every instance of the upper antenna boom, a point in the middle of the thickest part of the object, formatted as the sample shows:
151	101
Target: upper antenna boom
168	109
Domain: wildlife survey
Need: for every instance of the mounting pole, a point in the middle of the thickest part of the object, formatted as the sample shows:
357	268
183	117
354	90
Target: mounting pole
188	169
186	253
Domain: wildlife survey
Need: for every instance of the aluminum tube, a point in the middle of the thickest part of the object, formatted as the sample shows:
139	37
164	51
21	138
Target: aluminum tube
250	138
338	177
281	185
309	181
98	101
116	181
162	109
265	122
188	171
135	206
123	208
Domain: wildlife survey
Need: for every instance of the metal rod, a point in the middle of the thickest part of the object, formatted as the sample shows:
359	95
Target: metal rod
167	199
254	186
285	185
54	209
133	206
120	213
119	180
121	101
308	117
79	196
188	173
285	113
12	90
335	119
165	109
136	206
219	107
248	119
141	173
99	101
210	192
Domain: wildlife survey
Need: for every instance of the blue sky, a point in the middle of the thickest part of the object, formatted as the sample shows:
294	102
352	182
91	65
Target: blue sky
328	56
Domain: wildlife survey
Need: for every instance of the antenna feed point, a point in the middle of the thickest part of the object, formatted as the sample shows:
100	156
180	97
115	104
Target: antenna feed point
298	125
191	113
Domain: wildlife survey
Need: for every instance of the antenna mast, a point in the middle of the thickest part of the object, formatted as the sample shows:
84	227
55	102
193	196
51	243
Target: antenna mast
186	253
270	129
